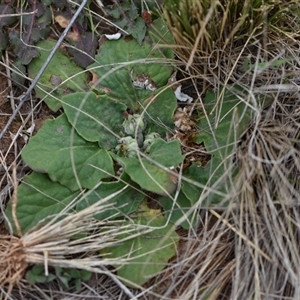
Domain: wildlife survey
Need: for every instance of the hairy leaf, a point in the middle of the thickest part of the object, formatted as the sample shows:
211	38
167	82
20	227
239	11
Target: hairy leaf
66	157
97	118
166	153
61	77
180	208
39	200
118	60
124	203
150	177
148	253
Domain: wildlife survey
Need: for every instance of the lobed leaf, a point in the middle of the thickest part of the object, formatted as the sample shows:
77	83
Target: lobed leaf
165	153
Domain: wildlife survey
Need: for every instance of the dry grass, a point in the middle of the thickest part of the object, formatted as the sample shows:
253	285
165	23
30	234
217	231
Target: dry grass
54	245
250	250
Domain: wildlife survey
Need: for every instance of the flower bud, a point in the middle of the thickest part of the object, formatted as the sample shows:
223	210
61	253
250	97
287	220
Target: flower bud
133	124
127	147
149	140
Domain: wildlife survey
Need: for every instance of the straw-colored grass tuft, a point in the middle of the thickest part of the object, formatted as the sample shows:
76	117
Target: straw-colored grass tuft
251	250
268	213
226	41
12	261
54	245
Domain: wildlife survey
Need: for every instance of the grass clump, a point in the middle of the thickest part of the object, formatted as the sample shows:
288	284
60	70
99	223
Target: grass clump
250	249
216	39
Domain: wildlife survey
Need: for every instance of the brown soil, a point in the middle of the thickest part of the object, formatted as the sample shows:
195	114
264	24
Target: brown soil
14	139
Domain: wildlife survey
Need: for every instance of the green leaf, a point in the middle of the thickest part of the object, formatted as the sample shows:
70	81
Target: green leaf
161	37
37	275
126	56
74	273
193	173
85	275
124	203
180	208
248	66
77	284
60	68
127	17
138	29
149	177
67	158
38	270
33	278
220	133
149	253
3	40
64	280
228	120
39	199
97	118
58	271
206	177
159	110
166	153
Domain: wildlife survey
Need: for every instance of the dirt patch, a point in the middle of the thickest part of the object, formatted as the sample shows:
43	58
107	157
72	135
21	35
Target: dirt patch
15	138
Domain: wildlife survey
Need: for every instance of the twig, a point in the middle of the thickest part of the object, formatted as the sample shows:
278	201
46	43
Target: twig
15	200
281	88
24	97
18	15
12	102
